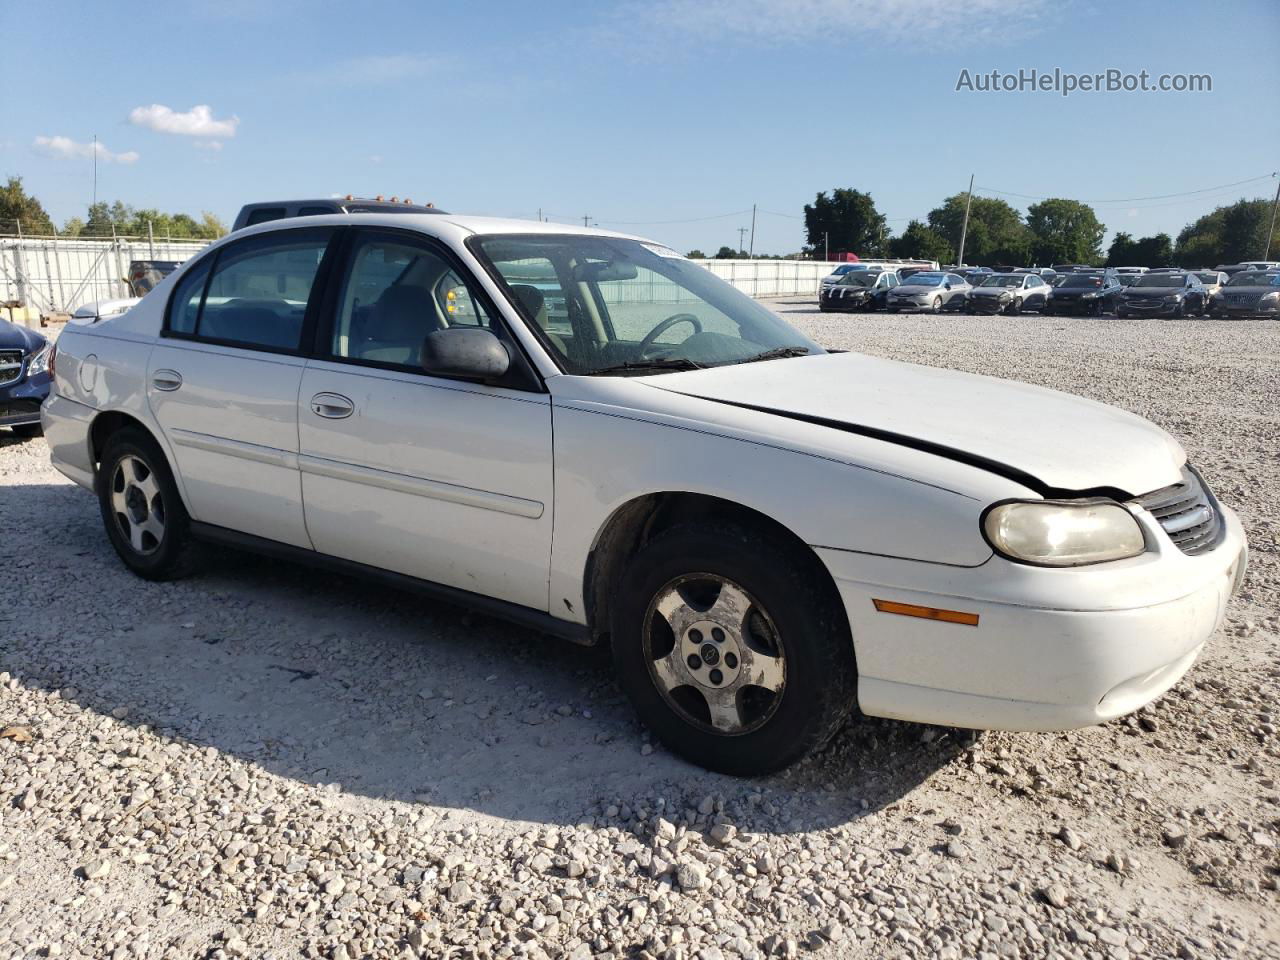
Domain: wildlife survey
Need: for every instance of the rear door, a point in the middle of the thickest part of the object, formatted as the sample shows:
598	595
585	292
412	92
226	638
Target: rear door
223	380
440	479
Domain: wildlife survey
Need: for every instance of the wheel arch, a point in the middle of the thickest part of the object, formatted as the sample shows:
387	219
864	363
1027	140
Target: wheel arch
638	520
110	422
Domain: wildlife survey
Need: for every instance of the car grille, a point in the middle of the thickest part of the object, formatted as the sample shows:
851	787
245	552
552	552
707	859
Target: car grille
10	366
1242	299
1187	512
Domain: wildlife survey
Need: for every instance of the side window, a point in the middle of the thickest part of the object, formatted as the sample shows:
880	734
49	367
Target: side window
542	296
264	215
184	304
394	293
260	288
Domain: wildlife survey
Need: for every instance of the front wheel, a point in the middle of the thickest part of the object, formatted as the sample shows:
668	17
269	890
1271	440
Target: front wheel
738	659
1016	306
145	518
936	306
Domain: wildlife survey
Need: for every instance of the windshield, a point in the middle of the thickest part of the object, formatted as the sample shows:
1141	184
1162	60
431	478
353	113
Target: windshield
841	271
860	278
924	280
1255	279
1003	280
1079	280
1211	277
1160	280
611	305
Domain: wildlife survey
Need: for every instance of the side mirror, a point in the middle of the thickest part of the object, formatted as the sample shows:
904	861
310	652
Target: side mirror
471	353
946	286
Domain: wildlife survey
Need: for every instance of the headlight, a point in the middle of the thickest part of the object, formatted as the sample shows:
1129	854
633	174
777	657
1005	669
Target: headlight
1090	296
1271	296
1174	297
1052	533
39	362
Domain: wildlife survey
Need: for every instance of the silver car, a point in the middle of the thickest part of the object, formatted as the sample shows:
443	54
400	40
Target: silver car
931	291
1253	293
1008	293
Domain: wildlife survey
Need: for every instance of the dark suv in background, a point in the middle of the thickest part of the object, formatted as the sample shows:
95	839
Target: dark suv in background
1163	293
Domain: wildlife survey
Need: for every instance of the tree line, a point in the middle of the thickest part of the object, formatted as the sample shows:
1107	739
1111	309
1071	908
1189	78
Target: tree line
19	208
1056	230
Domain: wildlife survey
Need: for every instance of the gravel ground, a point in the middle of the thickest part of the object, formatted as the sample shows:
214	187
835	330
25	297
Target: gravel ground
267	761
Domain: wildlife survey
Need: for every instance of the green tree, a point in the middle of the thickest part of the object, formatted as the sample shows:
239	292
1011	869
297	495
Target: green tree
73	227
846	221
728	253
996	232
1120	253
19	207
696	254
1156	251
1227	234
1065	231
920	242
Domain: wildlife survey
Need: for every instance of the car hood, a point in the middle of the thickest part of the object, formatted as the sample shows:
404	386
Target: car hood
915	289
992	291
1053	442
1156	292
13	336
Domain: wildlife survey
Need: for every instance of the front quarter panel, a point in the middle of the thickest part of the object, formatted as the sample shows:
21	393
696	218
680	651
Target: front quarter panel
607	455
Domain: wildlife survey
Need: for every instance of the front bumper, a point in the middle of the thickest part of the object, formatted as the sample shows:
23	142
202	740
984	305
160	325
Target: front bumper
1073	306
1149	308
20	402
1270	308
836	302
987	304
1053	649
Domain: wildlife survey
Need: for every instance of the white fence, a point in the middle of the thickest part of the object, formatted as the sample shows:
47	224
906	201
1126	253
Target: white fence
772	278
56	274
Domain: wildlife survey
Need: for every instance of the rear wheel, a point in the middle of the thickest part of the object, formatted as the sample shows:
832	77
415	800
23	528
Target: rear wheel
145	518
732	648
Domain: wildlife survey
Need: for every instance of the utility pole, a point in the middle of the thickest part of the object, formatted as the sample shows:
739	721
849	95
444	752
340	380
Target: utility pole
1266	253
585	218
751	251
742	233
539	214
826	247
964	227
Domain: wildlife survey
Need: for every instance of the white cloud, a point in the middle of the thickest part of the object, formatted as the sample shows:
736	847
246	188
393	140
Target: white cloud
196	122
772	22
214	145
66	147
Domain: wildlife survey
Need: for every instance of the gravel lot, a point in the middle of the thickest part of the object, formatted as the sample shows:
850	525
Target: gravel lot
269	761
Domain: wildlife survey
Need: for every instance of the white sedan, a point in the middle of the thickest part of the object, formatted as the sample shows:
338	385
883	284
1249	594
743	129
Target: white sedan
587	433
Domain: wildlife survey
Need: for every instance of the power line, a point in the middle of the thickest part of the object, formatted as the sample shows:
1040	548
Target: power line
1161	196
649	223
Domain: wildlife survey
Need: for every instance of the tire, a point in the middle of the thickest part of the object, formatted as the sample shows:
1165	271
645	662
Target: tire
142	512
28	431
1015	307
714	575
936	306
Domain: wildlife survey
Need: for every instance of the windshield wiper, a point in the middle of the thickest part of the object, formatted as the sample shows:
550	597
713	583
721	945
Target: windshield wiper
778	353
655	364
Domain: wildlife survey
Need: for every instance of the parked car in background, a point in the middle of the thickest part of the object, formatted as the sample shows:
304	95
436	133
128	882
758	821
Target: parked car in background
145	274
1130	271
832	278
1092	292
859	290
905	272
101	309
1163	293
974	275
1260	264
1253	293
1127	279
1213	281
822	531
24	378
1072	267
1044	273
254	213
1008	293
931	291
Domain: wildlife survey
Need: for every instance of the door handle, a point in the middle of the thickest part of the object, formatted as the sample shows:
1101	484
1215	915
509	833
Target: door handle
167	380
332	406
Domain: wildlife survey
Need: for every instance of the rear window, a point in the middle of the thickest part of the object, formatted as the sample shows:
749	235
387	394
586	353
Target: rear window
265	215
315	211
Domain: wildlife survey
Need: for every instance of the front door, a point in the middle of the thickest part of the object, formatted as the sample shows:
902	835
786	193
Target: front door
223	381
444	480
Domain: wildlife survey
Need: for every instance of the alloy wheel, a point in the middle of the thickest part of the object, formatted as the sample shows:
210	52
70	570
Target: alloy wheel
714	654
137	504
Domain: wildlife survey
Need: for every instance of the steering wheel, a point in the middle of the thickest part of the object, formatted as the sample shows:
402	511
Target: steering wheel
666	325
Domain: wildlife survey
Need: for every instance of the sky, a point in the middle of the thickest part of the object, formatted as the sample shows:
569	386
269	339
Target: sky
665	118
